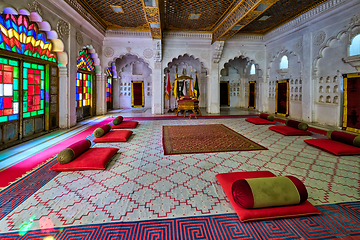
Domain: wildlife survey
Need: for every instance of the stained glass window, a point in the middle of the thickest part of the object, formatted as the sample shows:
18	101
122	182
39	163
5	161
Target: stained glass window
84	89
33	89
84	81
18	34
9	90
108	84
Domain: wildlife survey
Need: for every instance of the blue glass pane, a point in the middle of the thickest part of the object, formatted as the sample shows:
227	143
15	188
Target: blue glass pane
42	94
1	102
13	117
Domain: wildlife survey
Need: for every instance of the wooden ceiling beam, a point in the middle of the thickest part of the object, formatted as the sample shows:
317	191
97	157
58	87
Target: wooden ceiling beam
242	13
154	17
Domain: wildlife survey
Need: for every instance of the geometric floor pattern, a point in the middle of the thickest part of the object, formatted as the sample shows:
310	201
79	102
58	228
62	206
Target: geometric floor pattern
142	184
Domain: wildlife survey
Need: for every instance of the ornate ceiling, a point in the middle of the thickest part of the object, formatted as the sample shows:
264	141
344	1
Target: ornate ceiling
222	18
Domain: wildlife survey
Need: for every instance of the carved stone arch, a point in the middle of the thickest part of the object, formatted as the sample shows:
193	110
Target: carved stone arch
169	65
248	64
124	55
279	54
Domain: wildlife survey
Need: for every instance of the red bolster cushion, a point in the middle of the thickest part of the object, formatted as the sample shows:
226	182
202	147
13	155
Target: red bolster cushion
100	131
114	136
72	151
296	124
269	192
118	120
267	116
344	137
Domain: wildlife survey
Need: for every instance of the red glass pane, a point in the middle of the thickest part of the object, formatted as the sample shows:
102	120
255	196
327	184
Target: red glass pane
31	90
8	68
8	102
30	100
37	71
37	107
30	108
1	76
8	77
30	70
37	89
37	79
37	100
1	66
31	79
1	112
8	111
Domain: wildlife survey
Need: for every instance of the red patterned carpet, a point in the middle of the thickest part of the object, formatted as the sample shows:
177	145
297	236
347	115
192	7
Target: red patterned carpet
204	139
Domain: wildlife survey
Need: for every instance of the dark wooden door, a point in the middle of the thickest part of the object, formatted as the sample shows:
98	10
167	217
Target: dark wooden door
224	93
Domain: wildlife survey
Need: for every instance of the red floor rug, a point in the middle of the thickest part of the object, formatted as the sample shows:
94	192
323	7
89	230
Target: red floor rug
204	139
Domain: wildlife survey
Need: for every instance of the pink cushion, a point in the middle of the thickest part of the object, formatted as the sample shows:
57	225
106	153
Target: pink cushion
92	159
125	124
226	180
259	121
334	147
289	131
114	136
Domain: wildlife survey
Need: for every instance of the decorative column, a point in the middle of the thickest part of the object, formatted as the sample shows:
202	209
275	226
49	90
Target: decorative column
213	91
157	81
101	107
308	76
64	103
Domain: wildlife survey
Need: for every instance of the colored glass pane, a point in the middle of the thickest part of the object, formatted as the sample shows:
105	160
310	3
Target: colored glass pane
32	102
15	84
25	73
3	119
13	117
1	89
27	65
16	72
8	77
16	96
26	115
3	61
1	102
33	113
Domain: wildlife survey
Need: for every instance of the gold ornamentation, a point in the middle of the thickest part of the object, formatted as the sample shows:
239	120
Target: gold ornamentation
152	11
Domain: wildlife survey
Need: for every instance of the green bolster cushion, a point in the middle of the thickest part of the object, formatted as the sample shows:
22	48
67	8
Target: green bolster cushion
72	151
269	192
118	120
100	131
267	116
296	124
347	138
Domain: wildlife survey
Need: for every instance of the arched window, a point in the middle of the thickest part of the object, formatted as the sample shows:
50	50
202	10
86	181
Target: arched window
85	85
109	78
252	69
284	63
28	79
355	46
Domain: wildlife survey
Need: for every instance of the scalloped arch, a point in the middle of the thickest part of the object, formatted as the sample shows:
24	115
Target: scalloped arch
170	64
123	56
95	58
281	53
248	64
58	45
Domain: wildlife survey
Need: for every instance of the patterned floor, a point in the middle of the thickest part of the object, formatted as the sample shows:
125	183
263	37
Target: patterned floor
142	184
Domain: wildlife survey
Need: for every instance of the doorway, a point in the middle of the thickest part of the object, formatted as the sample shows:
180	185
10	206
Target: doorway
252	94
282	98
224	93
137	96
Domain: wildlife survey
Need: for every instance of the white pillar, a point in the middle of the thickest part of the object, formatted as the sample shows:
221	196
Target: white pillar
64	98
101	107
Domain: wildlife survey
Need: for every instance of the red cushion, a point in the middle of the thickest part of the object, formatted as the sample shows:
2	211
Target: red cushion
92	159
227	179
125	124
289	131
259	121
343	137
334	147
114	136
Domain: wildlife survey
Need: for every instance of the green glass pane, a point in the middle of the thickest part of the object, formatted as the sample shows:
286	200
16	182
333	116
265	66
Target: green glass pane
2	45
25	108
34	66
16	84
16	72
33	113
27	65
25	73
42	104
25	96
16	96
14	49
42	83
3	119
13	63
41	67
41	74
25	84
25	115
41	112
3	61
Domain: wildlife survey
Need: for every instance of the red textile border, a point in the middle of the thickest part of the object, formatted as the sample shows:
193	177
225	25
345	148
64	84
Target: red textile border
12	173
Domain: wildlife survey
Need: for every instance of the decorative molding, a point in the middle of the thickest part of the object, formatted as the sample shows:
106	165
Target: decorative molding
319	38
217	51
205	55
80	9
35	7
63	29
247	37
353	61
188	35
114	33
158	55
128	49
109	52
298	44
259	56
304	18
79	38
148	53
282	72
